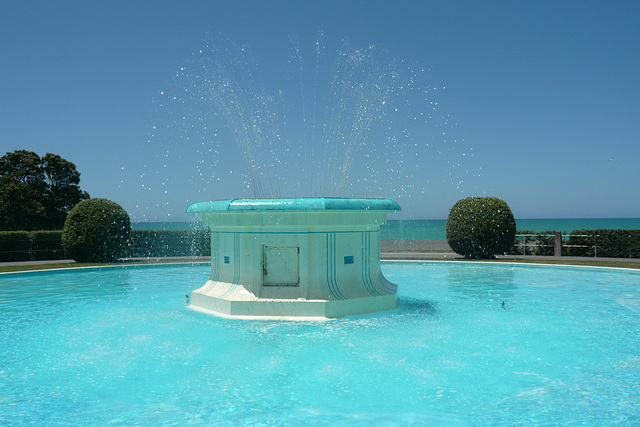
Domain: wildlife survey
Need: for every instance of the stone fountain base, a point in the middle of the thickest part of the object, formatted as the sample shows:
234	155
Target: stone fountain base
315	258
288	309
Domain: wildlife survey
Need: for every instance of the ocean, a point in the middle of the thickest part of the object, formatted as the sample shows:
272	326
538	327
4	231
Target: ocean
434	229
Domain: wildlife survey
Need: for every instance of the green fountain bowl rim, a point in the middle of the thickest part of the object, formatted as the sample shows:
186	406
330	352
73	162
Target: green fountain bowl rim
295	204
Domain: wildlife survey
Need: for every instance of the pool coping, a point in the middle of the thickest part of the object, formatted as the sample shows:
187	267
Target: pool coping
385	257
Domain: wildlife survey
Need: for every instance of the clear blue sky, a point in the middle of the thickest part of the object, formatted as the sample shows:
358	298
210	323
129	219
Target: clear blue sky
541	99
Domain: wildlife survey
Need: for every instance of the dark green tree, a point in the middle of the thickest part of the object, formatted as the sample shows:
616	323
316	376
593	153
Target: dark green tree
63	189
22	191
37	193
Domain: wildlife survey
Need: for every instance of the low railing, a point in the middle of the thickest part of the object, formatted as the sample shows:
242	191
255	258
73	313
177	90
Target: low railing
604	243
34	250
32	246
538	244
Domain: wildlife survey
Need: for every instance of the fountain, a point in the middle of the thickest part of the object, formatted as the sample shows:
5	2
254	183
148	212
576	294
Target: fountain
304	258
311	257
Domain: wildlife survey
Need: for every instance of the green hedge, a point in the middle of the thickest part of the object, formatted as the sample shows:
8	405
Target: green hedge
480	227
96	230
47	245
604	243
31	245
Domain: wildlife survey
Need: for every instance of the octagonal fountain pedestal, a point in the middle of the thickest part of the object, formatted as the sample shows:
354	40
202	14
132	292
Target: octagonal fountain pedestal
304	258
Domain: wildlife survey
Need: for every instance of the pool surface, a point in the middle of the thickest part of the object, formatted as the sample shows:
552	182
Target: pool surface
471	344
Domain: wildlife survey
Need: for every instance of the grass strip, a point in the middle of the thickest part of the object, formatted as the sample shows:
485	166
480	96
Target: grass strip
586	262
614	264
34	267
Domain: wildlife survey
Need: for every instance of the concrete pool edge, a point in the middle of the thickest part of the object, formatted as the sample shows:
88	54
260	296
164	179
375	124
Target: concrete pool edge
521	262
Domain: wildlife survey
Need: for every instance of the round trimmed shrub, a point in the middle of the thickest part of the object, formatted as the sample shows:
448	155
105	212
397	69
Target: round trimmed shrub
96	230
480	227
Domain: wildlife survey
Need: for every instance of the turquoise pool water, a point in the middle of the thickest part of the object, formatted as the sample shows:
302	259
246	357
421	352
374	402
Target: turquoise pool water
119	345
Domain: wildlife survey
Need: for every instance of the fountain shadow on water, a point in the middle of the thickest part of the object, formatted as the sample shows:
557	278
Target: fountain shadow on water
428	309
